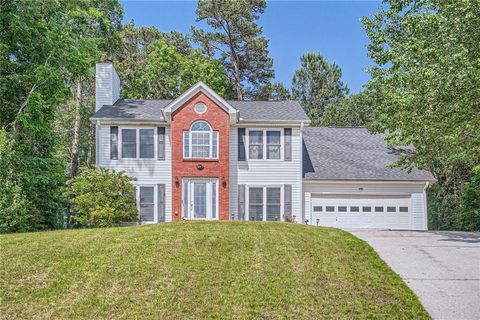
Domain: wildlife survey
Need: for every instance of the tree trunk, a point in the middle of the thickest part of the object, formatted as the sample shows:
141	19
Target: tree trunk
91	146
76	131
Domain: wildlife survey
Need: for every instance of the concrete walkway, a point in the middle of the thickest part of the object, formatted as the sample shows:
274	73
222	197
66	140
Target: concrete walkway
441	267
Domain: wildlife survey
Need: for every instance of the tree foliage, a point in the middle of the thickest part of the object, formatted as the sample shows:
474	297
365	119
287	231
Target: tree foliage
357	110
317	84
272	92
103	198
166	73
45	48
427	76
237	40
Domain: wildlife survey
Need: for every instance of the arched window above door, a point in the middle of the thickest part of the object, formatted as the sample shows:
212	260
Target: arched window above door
200	141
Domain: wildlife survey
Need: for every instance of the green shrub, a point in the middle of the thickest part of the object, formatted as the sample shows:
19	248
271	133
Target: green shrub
14	209
102	198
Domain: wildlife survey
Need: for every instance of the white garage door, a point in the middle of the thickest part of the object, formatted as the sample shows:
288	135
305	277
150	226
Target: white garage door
350	211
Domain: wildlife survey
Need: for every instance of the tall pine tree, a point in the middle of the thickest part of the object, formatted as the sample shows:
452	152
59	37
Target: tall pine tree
237	40
317	84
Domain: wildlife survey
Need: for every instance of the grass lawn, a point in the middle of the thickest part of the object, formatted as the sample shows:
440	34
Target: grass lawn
195	270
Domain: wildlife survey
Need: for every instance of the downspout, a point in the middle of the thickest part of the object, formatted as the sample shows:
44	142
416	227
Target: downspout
427	184
302	195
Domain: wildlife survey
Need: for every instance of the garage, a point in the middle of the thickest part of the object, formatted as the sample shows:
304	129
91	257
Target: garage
350	211
350	181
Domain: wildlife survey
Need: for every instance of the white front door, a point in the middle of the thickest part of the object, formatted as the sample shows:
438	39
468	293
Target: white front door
202	199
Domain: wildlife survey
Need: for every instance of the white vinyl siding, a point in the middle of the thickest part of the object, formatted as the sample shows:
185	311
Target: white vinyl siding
266	173
148	172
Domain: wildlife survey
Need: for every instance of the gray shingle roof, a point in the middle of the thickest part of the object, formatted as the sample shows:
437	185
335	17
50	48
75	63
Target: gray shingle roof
249	110
287	110
351	154
126	109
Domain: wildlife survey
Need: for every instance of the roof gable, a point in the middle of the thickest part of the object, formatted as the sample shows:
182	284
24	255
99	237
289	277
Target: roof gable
190	93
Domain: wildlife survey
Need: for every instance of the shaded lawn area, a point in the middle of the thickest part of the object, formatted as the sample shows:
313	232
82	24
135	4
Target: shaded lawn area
181	270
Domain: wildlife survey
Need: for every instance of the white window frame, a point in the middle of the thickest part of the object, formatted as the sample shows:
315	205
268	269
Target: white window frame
190	145
137	136
264	213
264	130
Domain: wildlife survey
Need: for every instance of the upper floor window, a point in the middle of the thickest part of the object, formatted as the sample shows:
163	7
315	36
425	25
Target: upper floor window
200	141
138	143
264	144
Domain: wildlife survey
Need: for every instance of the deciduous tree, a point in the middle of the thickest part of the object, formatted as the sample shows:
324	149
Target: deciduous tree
427	76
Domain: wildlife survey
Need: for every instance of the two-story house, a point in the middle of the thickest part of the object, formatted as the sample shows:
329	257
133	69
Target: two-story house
202	157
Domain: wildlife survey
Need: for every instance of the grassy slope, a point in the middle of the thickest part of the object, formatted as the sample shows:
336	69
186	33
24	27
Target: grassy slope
199	270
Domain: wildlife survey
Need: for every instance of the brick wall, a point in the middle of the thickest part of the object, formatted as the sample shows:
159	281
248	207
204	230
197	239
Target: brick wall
218	119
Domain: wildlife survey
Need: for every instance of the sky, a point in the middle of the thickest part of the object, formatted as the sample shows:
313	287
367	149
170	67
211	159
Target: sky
332	28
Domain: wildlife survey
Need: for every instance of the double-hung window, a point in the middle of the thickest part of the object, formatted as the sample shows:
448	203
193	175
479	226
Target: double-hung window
129	143
264	144
138	143
200	141
273	145
265	203
147	143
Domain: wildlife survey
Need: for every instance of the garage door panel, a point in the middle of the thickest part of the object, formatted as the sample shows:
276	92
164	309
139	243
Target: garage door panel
347	211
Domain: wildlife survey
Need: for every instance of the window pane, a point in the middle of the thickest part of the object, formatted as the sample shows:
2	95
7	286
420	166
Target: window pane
273	137
214	200
317	209
330	208
146	143
185	198
186	145
342	209
200	200
273	152
391	209
273	204
273	144
255	206
200	152
146	203
378	209
214	143
256	152
255	137
255	144
200	145
403	209
200	126
129	143
354	209
367	209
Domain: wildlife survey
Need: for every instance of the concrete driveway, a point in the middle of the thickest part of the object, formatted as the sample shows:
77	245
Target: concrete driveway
441	267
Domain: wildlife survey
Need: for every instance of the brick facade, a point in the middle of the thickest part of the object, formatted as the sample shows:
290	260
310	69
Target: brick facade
218	119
